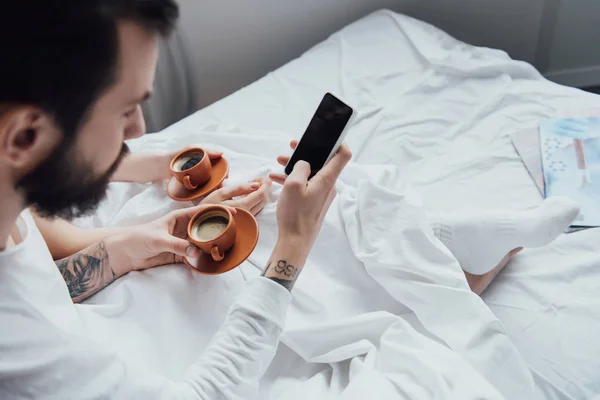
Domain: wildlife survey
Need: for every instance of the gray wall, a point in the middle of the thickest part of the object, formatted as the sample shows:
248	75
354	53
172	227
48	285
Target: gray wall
574	56
235	42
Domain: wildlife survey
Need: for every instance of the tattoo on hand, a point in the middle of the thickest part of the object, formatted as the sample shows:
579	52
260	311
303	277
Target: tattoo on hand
86	272
283	267
286	274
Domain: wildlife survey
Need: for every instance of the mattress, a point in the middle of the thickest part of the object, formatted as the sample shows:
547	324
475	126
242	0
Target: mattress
434	118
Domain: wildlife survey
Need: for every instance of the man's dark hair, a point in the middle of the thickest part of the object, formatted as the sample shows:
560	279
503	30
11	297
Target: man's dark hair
61	55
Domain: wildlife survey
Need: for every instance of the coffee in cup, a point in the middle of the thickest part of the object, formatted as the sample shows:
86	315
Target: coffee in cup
210	228
213	230
188	161
192	167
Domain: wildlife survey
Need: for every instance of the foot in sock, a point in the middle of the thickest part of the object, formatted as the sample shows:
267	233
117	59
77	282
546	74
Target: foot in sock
479	240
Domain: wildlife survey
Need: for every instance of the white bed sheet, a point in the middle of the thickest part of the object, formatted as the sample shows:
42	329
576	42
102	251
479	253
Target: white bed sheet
434	116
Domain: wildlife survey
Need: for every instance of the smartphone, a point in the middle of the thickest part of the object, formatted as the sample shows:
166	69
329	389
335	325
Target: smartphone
324	135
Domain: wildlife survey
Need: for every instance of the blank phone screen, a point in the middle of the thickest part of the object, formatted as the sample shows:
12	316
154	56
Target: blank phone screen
322	134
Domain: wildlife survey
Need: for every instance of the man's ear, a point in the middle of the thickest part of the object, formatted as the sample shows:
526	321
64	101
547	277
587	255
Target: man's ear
27	137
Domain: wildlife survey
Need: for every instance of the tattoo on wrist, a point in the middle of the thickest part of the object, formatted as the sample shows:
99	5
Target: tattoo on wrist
86	272
282	273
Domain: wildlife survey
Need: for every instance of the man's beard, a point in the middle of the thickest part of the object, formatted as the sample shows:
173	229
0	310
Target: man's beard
61	187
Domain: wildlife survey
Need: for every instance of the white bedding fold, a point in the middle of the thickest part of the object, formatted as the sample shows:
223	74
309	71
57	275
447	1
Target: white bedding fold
392	237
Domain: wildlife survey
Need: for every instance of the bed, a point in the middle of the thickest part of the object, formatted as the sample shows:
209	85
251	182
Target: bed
433	126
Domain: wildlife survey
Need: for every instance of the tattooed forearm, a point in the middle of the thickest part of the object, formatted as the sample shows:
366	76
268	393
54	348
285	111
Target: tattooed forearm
282	273
86	272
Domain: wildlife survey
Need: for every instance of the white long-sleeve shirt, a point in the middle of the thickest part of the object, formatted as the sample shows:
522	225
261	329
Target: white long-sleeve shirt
44	351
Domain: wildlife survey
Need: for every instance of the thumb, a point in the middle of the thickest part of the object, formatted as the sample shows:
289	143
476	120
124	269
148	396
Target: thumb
175	245
214	155
299	175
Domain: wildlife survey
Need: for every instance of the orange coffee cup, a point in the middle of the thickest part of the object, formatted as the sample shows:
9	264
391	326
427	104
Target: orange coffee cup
192	167
213	230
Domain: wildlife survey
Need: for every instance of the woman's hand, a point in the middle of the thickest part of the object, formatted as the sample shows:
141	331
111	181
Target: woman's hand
165	160
150	167
301	209
251	196
303	203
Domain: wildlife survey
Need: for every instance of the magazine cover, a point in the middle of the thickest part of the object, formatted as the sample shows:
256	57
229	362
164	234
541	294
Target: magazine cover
570	151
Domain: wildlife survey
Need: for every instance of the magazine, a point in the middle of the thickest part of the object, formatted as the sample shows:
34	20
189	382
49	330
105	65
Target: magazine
570	152
527	144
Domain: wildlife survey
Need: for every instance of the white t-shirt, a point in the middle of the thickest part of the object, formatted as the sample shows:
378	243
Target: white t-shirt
44	351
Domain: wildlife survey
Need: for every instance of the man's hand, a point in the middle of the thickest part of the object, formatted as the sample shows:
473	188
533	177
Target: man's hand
156	243
300	212
252	196
160	242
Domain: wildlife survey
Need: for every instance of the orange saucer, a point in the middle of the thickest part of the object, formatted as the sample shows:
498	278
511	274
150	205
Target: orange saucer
178	192
245	242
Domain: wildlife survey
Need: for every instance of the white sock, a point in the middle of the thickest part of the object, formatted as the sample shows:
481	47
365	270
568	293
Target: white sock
480	240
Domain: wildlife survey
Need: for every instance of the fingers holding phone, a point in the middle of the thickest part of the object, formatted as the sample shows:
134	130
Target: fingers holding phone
308	188
284	160
323	136
304	201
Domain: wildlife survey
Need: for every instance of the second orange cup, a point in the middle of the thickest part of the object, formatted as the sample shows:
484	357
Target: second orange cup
192	167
